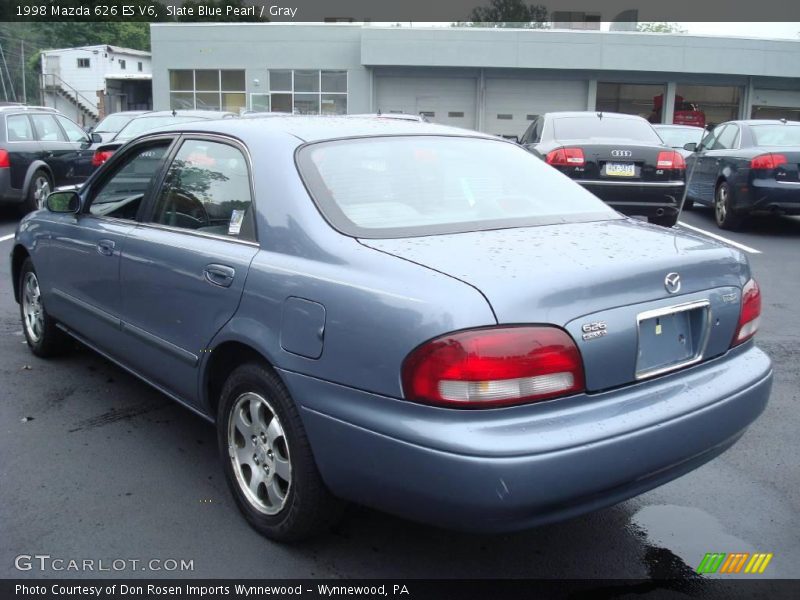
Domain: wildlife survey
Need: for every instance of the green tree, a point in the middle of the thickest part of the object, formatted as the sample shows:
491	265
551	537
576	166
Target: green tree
659	27
508	13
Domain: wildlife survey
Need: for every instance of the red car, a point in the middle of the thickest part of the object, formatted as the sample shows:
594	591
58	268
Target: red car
684	113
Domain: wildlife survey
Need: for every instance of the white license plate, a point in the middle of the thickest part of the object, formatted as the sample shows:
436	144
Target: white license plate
620	170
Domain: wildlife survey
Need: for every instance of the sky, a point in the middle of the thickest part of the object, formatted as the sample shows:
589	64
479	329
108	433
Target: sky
761	30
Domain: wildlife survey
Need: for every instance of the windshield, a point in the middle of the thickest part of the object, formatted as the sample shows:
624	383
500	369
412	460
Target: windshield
385	187
112	123
143	124
590	126
678	137
776	135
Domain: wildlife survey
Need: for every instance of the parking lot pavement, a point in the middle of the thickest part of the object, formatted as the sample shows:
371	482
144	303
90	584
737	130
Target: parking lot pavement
95	464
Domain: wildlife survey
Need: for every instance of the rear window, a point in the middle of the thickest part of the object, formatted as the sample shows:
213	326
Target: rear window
143	124
776	135
112	123
577	128
384	187
678	137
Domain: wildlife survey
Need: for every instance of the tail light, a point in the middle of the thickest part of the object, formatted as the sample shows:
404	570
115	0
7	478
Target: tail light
4	162
670	159
101	156
493	367
566	157
768	161
750	314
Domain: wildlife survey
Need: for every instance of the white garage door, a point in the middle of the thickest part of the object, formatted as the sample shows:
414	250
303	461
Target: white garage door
446	100
511	104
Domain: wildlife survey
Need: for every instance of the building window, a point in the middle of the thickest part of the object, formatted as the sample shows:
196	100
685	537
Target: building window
208	89
122	64
306	92
706	105
83	63
139	66
631	99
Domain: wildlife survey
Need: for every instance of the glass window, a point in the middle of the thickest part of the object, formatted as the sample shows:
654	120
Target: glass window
282	103
83	63
703	105
727	139
428	185
47	130
259	102
334	104
306	81
206	80
776	135
590	126
121	195
74	133
644	100
207	189
19	129
678	137
711	138
233	101
232	81
207	100
181	81
334	81
306	104
184	100
280	81
144	124
122	64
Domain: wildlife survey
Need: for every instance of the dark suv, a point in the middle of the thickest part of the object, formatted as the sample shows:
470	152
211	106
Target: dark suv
40	149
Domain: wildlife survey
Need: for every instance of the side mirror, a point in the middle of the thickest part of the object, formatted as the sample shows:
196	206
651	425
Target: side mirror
691	147
63	202
96	138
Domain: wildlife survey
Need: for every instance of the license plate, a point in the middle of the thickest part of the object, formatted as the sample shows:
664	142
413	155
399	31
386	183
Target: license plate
671	338
620	170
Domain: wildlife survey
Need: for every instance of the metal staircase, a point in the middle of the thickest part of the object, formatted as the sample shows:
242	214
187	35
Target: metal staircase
54	84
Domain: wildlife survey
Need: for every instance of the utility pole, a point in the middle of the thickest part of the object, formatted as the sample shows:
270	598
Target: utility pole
3	80
23	66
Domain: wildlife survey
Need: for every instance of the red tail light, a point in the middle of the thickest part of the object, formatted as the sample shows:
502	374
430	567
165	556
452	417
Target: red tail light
670	159
4	162
101	156
768	161
750	314
493	367
567	157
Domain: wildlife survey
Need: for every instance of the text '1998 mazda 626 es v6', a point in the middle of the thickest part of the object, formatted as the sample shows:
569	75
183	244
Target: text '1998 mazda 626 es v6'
420	319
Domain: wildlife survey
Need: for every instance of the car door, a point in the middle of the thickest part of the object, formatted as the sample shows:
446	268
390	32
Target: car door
83	253
183	268
702	168
55	149
81	144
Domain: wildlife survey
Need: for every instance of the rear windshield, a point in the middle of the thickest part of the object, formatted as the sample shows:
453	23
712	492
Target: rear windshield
577	128
144	124
383	187
776	135
678	137
112	123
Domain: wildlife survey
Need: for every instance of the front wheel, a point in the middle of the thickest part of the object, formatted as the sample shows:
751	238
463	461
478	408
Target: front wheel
723	211
44	338
664	220
267	458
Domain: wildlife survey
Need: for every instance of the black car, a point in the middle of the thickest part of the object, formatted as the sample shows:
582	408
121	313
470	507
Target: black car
149	121
40	149
619	158
746	167
111	124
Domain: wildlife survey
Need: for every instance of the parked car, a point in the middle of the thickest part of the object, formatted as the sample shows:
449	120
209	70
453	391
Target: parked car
110	125
617	157
677	136
684	113
149	121
746	167
429	321
40	149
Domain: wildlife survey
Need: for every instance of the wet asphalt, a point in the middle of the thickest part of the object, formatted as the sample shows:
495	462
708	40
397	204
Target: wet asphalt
96	465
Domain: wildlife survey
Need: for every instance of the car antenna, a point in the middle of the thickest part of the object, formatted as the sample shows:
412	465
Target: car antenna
599	114
783	120
174	112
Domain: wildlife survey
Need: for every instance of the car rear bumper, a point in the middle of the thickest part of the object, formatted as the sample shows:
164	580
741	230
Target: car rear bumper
513	468
772	197
645	198
8	194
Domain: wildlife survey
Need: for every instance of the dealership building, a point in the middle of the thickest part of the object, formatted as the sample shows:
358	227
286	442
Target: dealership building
493	80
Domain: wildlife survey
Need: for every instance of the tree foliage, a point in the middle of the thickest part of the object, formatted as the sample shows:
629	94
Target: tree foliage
660	27
508	13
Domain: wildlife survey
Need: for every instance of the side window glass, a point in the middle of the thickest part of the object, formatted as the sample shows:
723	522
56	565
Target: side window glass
727	138
47	130
207	189
74	133
121	195
537	131
19	129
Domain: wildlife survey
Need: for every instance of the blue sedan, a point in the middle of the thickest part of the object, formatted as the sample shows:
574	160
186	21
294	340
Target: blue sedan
421	319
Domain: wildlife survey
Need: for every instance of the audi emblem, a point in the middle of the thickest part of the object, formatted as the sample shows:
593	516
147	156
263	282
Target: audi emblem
621	153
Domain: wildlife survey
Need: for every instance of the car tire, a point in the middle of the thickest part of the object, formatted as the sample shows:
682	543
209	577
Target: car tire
664	220
44	338
260	435
723	211
40	186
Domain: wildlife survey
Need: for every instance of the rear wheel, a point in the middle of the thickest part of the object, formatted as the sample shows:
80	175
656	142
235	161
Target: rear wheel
664	220
38	190
723	211
43	337
267	458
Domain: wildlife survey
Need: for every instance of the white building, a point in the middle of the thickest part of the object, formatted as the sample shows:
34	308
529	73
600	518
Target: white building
90	82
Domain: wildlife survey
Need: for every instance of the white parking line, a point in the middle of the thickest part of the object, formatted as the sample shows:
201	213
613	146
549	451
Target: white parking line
6	237
720	238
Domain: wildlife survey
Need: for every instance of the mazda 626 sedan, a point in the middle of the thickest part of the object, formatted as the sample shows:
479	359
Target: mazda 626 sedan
425	320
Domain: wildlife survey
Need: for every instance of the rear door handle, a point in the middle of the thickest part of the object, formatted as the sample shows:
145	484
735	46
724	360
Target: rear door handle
221	275
106	247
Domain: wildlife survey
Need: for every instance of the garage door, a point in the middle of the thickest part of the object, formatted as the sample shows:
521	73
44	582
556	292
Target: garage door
511	104
446	100
776	104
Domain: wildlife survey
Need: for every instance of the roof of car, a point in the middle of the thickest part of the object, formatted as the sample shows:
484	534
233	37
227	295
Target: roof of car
207	114
674	126
766	122
592	113
318	128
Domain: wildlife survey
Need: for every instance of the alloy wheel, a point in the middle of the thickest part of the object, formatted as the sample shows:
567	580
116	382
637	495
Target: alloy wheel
41	189
32	311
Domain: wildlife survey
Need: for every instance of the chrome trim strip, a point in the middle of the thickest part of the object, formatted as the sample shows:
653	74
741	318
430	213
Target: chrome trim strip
623	182
161	344
787	182
671	310
193	232
92	310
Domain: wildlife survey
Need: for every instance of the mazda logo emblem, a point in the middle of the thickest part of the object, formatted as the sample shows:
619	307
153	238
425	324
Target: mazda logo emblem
621	153
672	282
